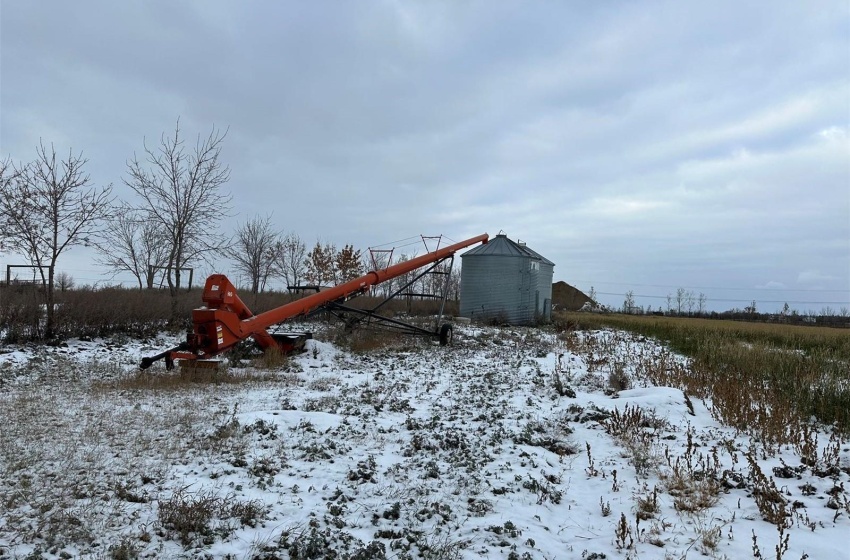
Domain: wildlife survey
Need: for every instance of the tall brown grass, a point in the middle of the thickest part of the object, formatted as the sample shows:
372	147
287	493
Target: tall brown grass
769	378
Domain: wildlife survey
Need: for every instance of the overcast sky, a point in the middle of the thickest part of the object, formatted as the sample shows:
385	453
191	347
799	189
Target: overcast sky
638	145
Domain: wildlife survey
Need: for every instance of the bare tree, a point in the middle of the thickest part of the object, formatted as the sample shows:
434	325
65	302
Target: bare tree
454	283
407	277
46	207
681	300
290	255
380	260
689	301
64	282
629	302
701	300
435	282
132	243
9	176
180	192
253	251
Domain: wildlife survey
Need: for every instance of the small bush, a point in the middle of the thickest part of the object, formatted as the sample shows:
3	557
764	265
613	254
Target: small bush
618	379
647	506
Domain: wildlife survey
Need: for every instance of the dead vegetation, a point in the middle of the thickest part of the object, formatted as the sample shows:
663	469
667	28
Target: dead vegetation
696	479
422	447
764	378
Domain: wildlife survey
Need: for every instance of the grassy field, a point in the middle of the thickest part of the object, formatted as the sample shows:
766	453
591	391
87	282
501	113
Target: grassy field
766	377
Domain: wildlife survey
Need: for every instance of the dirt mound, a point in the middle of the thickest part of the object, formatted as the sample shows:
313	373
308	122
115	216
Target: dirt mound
567	298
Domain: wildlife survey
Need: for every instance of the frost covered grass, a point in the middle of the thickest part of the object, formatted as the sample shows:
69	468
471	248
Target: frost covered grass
513	443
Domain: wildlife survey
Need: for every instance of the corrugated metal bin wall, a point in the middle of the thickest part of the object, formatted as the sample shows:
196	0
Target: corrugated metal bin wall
496	287
507	281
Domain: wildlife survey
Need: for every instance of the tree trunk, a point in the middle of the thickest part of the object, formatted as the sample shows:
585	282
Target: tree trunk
49	327
149	278
172	290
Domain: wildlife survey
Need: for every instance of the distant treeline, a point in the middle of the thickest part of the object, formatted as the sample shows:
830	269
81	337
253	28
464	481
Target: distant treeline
826	318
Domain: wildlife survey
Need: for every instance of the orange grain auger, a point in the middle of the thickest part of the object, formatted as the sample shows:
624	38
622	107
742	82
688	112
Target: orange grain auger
225	320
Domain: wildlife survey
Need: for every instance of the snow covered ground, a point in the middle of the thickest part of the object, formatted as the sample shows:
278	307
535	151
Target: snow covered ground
512	443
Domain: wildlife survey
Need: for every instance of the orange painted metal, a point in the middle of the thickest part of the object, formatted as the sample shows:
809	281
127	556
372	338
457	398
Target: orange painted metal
226	320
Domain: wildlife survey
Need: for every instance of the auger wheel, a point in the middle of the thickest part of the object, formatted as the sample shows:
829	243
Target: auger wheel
446	334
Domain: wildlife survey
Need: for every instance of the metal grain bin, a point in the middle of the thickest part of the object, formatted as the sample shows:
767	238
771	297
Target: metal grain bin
506	281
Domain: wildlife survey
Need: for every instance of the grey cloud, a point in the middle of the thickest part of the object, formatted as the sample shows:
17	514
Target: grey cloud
653	142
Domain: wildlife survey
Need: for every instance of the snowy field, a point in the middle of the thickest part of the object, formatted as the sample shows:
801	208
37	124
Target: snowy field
512	443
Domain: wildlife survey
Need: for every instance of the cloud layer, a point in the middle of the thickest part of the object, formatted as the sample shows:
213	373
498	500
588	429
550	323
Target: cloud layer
639	146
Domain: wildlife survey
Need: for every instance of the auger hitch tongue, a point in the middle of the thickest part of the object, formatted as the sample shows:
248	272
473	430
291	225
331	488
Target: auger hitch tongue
169	363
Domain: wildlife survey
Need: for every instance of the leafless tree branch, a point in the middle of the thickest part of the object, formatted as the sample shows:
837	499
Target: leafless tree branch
181	192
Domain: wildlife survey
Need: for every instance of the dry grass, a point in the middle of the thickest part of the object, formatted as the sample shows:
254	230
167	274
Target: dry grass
638	431
364	340
201	515
182	378
73	461
765	378
144	431
691	495
272	359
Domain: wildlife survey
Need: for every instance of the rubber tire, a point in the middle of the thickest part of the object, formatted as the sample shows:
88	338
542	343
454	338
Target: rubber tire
445	334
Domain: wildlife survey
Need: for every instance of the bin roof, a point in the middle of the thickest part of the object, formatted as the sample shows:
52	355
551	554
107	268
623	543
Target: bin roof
501	246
